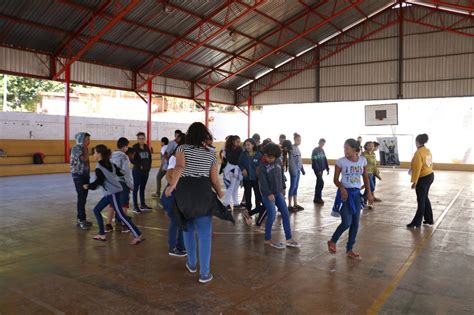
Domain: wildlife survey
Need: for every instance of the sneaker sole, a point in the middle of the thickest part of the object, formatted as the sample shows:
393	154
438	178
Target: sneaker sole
176	255
207	280
191	270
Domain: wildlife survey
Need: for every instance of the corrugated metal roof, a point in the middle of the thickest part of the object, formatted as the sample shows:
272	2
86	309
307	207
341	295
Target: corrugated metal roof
152	26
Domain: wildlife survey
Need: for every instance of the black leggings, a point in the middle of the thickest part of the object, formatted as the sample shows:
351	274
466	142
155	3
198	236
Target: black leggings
424	205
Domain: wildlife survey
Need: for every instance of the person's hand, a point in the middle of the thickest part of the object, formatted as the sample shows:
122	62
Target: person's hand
303	172
244	173
413	186
169	190
328	171
271	197
379	177
370	198
220	194
344	194
85	186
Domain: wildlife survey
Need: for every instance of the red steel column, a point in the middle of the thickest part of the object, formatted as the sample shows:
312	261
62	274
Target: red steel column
207	109
67	81
249	104
148	122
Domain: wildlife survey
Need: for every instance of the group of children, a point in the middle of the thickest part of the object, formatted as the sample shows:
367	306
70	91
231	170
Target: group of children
258	167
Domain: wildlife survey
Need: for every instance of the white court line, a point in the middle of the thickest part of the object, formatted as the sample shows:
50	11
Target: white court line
38	302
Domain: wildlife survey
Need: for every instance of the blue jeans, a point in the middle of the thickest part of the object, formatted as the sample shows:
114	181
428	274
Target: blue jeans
139	184
372	185
201	228
113	200
349	221
175	234
271	213
294	183
124	199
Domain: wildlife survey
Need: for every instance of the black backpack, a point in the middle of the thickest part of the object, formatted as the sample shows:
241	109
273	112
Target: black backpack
37	158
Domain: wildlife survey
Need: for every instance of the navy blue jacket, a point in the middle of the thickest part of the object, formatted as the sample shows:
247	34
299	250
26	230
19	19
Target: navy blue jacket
319	160
249	163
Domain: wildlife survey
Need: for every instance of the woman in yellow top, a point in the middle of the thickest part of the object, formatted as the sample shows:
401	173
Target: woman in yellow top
422	177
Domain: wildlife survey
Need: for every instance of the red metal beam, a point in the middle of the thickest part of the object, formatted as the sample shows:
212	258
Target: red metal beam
75	36
440	16
67	91
206	110
359	33
96	37
105	42
469	8
148	28
249	105
283	42
148	118
193	14
205	32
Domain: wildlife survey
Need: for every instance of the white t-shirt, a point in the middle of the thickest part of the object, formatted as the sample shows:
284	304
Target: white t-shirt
351	172
171	162
163	149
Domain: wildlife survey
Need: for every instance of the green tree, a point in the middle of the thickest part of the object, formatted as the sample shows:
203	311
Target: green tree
24	93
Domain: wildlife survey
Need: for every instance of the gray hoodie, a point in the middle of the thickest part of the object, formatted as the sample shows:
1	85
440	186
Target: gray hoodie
120	159
80	157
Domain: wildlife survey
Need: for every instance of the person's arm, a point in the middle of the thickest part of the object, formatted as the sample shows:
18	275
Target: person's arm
99	181
314	162
337	182
177	172
416	164
136	158
169	175
127	174
215	180
242	164
263	181
370	197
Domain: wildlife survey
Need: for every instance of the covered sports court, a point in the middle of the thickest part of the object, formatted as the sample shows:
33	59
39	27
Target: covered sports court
245	54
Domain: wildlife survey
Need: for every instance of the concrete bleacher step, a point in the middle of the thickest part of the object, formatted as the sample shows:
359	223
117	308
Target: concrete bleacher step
39	169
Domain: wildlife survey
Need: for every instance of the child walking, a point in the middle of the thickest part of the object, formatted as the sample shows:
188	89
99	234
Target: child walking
248	161
271	187
176	246
372	170
295	167
232	173
319	164
121	160
107	176
348	203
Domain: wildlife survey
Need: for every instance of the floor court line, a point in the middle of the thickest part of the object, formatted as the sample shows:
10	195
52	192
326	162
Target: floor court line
383	297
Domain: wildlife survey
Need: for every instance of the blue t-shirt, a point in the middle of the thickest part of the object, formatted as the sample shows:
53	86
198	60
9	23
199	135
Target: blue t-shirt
351	172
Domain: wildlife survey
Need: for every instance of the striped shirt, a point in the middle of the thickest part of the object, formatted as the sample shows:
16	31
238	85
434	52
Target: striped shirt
198	161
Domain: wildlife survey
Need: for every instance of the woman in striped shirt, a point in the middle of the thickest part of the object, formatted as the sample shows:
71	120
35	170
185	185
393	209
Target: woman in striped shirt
194	177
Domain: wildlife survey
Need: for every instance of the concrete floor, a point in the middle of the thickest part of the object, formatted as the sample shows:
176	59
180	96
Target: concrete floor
47	265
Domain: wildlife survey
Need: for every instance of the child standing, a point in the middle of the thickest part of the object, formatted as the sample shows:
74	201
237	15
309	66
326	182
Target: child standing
232	173
80	171
107	176
372	170
175	233
348	201
319	164
163	167
295	167
141	172
271	187
121	160
248	161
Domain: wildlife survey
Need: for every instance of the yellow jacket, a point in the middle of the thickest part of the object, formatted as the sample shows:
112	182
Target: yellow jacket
421	164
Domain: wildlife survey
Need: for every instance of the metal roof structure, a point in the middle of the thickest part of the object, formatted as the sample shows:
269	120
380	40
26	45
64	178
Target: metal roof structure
266	51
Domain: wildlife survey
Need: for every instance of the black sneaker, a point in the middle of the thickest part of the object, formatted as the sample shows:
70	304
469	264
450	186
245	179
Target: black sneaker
427	223
83	225
145	208
125	229
108	228
177	253
137	211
